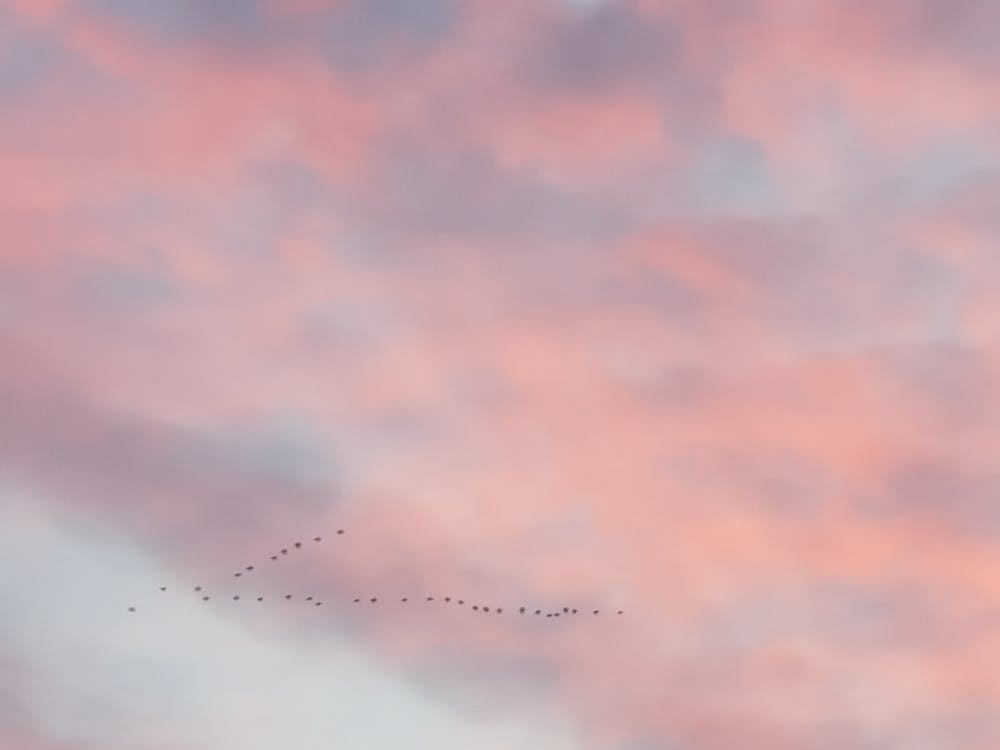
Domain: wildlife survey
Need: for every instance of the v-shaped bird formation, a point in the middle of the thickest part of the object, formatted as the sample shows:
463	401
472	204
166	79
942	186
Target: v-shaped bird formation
311	600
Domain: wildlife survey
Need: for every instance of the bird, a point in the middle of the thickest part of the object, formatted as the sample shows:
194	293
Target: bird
298	545
236	598
131	609
318	604
197	588
374	599
249	567
205	598
597	611
447	598
288	596
556	614
620	612
549	614
356	601
260	598
486	609
566	610
274	557
538	611
340	531
237	575
574	611
430	598
499	611
403	599
521	610
475	607
318	539
461	602
309	598
284	551
163	588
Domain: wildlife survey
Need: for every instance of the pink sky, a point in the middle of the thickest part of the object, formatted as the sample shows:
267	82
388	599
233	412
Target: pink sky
685	307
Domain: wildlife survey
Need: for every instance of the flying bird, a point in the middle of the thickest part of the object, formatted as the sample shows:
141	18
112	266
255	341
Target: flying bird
284	551
340	531
163	588
249	567
475	607
403	599
538	611
620	612
318	604
499	611
237	575
461	602
597	611
205	598
260	598
318	539
197	588
288	596
486	609
274	557
131	609
447	598
309	598
356	601
236	598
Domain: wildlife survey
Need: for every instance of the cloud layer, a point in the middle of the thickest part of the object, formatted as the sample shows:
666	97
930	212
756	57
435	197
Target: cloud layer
686	308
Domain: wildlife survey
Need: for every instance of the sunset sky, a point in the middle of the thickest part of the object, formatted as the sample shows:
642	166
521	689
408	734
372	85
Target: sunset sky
688	308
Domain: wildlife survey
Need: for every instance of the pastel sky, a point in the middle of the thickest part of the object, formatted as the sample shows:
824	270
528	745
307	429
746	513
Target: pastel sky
689	308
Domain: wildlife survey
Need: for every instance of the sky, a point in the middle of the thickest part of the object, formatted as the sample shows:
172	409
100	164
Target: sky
688	308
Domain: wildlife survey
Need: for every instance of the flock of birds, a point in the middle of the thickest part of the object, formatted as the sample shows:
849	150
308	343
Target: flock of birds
284	551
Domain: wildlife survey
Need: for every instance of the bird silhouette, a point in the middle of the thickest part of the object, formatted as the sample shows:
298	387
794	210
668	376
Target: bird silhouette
284	551
356	601
486	609
249	567
236	598
566	610
274	557
318	539
461	602
597	611
430	598
131	609
521	610
309	598
205	598
620	612
260	598
298	545
237	575
318	604
538	611
288	596
374	599
403	599
475	607
447	598
197	588
499	611
163	588
340	531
